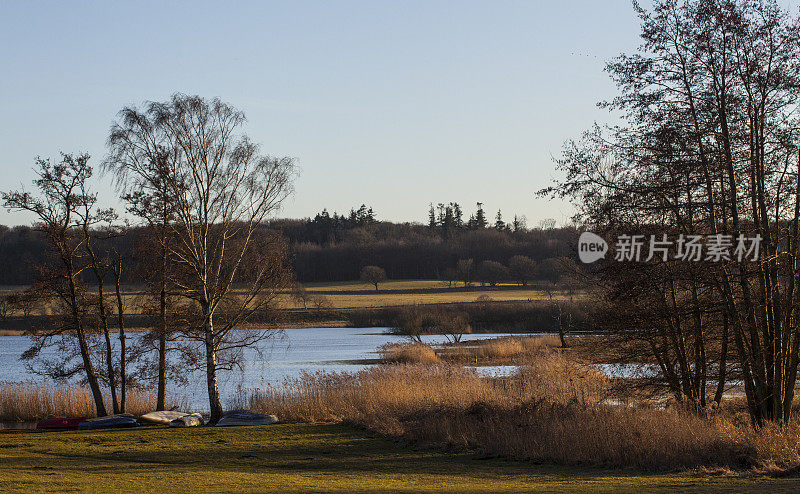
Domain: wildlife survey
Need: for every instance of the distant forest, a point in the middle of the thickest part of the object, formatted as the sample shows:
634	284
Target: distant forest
334	247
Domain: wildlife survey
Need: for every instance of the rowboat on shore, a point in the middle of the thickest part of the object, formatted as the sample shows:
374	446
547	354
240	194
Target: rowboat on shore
60	423
110	422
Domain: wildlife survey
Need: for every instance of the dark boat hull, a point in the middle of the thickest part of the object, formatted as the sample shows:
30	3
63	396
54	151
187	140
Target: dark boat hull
110	422
60	423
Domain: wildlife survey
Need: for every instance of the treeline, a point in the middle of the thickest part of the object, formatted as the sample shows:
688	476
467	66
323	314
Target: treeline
336	247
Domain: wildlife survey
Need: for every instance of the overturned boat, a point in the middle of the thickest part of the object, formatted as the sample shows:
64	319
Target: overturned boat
121	421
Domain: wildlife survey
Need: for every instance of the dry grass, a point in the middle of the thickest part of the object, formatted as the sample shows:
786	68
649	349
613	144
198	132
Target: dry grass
406	388
29	401
408	353
507	350
494	351
553	410
776	447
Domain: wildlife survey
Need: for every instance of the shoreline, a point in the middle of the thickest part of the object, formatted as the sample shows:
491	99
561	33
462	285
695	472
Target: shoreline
141	329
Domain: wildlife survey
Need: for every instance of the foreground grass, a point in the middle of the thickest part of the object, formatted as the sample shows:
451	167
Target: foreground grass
301	458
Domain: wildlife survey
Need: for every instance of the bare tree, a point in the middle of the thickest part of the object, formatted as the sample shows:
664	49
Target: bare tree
221	189
301	295
373	275
58	206
23	301
5	305
709	147
89	219
116	269
141	155
451	276
465	268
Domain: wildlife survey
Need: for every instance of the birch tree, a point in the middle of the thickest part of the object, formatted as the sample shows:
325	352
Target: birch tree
222	189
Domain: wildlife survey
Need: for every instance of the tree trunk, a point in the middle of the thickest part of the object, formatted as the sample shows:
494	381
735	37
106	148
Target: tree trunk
723	361
99	274
162	350
112	380
123	376
214	400
161	391
91	375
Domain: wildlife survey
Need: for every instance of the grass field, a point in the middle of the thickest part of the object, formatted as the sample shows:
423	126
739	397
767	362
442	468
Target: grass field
355	294
302	458
386	285
378	299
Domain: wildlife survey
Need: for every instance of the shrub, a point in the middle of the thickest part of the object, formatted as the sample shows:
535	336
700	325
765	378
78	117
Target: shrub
408	353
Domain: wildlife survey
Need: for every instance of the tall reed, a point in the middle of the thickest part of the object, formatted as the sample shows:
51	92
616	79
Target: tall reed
30	401
553	409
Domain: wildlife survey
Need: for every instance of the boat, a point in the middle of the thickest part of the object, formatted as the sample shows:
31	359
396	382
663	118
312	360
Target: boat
120	421
190	420
60	423
238	418
162	416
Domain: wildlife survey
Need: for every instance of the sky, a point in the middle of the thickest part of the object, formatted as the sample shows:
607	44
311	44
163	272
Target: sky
391	104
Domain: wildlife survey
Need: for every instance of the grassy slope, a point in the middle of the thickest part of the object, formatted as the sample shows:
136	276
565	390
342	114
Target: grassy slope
296	458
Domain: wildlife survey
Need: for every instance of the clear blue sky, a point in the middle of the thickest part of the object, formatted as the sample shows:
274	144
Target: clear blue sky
391	104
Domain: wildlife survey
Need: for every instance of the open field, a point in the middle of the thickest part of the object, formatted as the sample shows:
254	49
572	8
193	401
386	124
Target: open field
302	458
354	295
445	295
338	286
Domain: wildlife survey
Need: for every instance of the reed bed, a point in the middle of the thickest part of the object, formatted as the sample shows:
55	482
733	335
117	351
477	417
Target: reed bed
32	401
408	353
505	350
510	349
553	410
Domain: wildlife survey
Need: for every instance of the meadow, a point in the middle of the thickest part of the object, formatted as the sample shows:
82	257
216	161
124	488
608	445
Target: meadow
353	294
308	457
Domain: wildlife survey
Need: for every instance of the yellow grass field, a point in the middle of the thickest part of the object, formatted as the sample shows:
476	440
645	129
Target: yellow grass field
355	294
377	299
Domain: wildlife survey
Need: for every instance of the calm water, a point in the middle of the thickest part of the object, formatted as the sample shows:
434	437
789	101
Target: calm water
305	349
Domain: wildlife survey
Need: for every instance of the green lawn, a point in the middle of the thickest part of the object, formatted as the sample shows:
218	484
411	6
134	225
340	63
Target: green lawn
300	458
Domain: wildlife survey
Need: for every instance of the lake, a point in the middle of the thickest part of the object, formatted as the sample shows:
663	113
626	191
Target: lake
301	349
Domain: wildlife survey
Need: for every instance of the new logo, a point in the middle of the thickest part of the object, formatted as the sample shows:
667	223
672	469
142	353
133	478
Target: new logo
591	247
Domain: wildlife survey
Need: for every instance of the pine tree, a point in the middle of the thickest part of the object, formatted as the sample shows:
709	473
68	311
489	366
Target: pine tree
499	224
518	223
480	217
458	221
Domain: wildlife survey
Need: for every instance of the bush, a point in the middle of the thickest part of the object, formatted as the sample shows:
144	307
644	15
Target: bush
408	353
416	321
